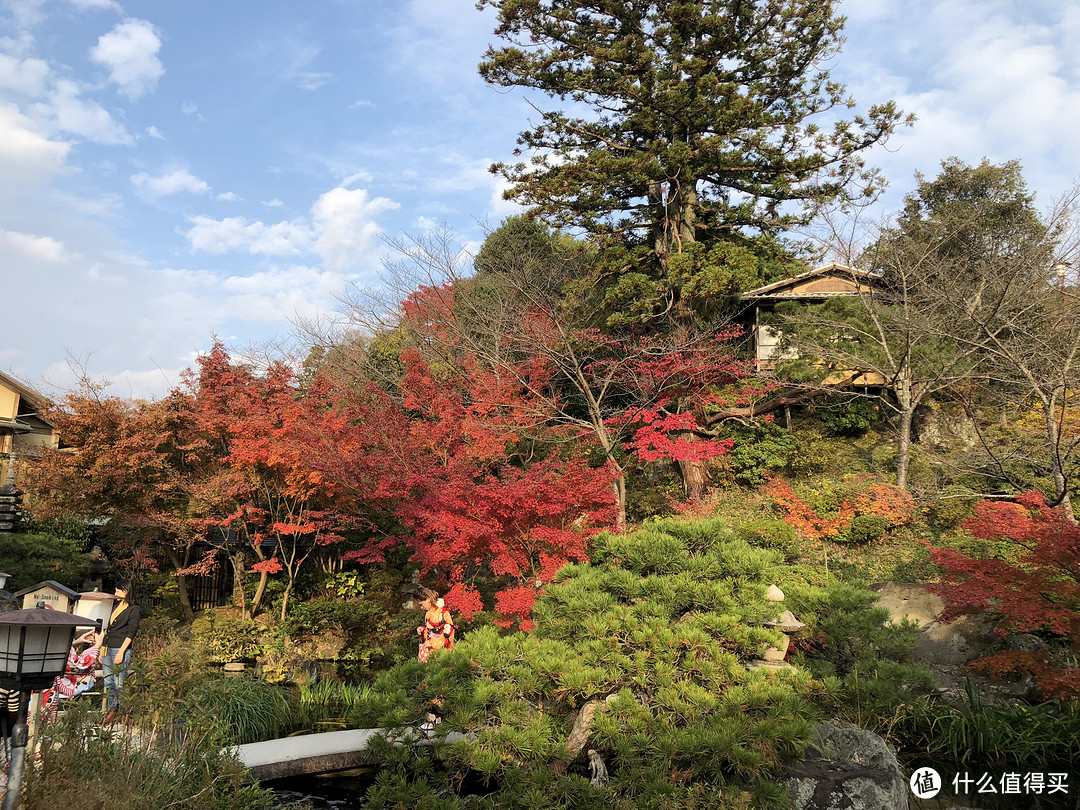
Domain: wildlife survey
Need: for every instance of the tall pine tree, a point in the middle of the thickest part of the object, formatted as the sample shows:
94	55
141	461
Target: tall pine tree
694	132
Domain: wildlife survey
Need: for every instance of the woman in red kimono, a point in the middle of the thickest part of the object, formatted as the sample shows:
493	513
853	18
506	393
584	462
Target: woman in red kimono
437	631
78	674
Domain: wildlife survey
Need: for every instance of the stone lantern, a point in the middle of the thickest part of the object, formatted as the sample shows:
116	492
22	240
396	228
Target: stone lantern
34	646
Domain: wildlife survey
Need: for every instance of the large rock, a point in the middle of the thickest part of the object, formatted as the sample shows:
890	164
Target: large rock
955	643
940	644
904	601
848	768
945	427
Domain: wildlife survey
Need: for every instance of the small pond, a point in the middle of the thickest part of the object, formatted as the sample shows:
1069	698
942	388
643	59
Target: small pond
336	792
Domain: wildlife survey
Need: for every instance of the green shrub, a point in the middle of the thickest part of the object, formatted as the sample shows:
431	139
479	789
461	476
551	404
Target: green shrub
950	509
767	449
862	660
656	630
322	614
646	503
847	630
1040	738
344	585
846	417
774	534
83	766
227	636
867	529
247	709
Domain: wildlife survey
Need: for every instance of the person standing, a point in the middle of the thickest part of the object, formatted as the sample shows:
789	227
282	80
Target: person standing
116	648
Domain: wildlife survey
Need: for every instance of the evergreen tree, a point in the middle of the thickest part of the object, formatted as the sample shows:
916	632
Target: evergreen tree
698	130
637	659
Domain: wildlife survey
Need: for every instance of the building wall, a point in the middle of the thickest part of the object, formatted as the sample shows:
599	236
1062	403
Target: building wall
9	402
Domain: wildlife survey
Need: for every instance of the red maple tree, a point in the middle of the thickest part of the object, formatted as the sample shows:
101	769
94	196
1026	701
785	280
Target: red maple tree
443	459
264	494
1037	589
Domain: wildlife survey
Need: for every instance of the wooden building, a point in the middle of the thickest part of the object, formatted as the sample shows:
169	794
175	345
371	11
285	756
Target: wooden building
23	428
812	287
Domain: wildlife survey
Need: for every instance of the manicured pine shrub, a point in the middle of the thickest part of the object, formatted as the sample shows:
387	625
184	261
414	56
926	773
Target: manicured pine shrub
654	634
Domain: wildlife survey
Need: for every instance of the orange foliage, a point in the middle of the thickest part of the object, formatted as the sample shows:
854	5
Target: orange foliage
884	500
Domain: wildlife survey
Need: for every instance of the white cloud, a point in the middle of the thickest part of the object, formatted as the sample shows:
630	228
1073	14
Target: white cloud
292	56
25	76
265	297
992	79
146	384
25	153
236	233
65	111
130	52
361	176
274	203
96	4
154	132
36	248
229	196
26	13
312	81
498	206
177	182
340	231
345	219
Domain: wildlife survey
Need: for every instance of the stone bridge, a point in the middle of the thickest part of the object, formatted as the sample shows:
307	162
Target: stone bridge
320	753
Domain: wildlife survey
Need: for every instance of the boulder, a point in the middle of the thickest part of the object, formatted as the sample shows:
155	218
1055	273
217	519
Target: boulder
1027	642
940	644
955	643
904	601
847	768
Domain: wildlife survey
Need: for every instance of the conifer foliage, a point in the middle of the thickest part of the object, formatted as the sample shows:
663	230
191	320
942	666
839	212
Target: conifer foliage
651	637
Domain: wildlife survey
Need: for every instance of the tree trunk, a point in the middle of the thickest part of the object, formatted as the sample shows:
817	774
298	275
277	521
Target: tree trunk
1061	481
181	582
237	560
619	485
905	399
256	600
285	598
903	448
695	476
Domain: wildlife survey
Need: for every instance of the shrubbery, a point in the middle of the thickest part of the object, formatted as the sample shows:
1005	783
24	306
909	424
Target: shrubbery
868	528
187	768
321	614
653	635
774	534
765	450
227	636
846	417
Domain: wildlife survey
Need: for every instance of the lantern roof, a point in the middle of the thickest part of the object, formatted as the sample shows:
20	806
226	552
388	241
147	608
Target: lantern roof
44	616
51	583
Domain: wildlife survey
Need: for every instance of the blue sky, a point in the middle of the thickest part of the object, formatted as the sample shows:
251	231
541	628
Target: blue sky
174	171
